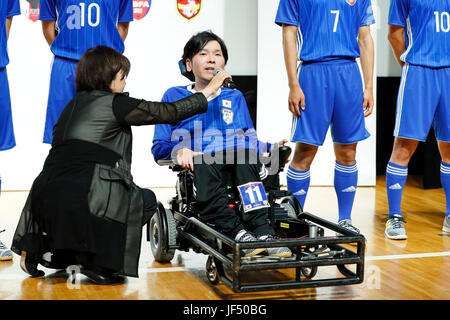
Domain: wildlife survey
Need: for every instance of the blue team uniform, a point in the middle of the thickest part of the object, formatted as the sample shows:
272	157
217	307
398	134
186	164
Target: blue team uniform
225	125
8	8
329	76
424	96
81	25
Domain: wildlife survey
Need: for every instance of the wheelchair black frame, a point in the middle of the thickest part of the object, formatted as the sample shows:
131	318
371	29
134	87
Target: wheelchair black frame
192	229
235	265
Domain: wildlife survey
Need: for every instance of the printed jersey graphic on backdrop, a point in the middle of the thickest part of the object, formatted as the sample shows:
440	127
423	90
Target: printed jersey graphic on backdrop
141	8
30	8
189	8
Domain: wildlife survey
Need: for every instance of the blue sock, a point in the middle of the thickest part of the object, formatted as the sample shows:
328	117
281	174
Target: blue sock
445	181
298	183
345	184
395	181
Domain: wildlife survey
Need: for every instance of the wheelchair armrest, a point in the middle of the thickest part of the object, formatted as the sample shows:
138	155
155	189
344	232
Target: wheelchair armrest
165	162
171	164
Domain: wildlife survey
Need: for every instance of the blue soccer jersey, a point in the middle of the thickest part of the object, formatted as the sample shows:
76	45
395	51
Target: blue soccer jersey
225	125
83	24
327	29
427	30
8	8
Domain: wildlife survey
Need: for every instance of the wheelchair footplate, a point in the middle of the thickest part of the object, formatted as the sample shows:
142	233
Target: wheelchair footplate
312	253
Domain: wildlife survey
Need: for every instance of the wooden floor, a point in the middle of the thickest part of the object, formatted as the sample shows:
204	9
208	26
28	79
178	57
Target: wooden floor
416	268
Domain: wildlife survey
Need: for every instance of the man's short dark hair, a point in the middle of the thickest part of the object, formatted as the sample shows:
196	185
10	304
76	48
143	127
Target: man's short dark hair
198	41
98	67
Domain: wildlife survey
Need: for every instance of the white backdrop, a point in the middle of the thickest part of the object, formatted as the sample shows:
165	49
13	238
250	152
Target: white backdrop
274	118
154	46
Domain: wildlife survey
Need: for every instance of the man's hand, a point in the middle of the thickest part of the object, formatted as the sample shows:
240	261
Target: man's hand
368	102
185	158
296	100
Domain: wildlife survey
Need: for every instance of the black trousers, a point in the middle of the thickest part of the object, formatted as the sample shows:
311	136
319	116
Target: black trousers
210	182
149	205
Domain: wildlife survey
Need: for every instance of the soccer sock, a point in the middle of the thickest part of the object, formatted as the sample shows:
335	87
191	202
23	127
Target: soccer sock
395	181
298	183
445	181
345	183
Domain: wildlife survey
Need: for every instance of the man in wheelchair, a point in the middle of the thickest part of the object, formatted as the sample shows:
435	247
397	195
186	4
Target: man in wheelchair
218	146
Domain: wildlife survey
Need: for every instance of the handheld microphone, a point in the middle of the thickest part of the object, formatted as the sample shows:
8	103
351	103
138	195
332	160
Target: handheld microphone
227	83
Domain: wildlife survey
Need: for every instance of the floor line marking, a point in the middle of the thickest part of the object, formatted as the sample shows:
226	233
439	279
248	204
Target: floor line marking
6	276
409	256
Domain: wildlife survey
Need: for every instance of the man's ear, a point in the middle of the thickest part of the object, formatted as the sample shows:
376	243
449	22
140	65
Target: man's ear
188	65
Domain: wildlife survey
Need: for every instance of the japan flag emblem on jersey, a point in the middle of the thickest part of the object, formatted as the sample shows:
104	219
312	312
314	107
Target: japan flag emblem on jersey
226	103
351	2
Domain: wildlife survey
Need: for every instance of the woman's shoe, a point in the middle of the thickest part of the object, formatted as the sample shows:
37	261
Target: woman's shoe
29	265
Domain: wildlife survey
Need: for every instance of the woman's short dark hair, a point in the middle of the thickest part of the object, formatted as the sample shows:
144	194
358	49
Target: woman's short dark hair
198	41
98	67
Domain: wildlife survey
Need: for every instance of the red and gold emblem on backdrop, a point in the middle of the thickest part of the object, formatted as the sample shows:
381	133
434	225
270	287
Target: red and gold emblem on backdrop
189	8
351	2
141	8
31	9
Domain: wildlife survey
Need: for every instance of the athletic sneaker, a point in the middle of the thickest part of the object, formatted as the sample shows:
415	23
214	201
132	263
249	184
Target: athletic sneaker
347	224
5	253
284	252
395	228
446	226
244	236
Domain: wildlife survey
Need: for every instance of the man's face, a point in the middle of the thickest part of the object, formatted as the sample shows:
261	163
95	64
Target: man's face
205	61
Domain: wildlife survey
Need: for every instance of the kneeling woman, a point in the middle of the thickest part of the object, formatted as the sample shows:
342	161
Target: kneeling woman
84	208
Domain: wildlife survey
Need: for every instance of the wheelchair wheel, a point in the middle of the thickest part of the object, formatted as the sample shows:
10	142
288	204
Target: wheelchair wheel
294	204
162	234
212	273
309	272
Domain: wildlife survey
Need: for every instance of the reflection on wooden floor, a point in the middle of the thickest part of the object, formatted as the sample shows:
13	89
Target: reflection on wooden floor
416	268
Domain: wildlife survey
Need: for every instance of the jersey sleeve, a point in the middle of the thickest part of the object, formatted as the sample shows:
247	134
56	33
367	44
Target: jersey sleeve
162	142
288	13
367	17
47	10
398	12
126	11
13	8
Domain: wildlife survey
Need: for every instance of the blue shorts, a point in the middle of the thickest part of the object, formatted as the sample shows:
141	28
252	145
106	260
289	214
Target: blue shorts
423	101
62	90
334	96
7	139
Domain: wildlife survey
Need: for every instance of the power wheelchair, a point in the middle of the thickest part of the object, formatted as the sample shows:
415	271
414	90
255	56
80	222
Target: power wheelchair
179	227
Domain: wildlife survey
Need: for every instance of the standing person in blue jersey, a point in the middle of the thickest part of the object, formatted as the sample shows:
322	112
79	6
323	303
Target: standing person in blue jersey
8	9
219	142
423	98
326	36
70	28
